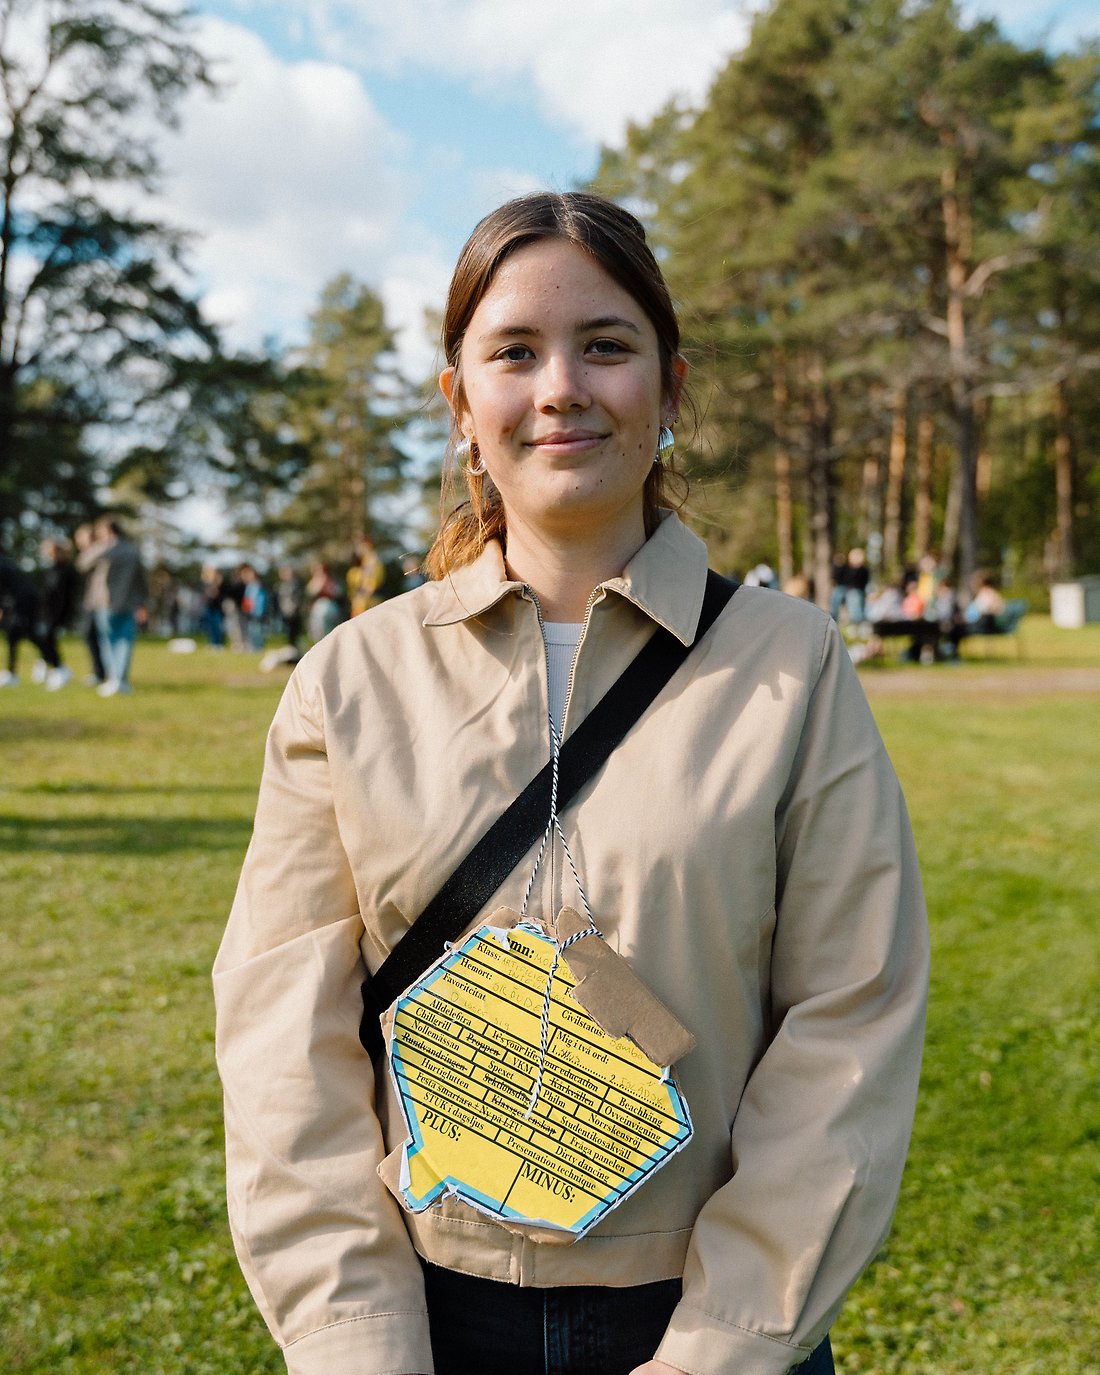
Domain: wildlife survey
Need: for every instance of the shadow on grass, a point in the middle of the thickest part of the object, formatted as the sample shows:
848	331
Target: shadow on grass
20	729
123	835
80	788
256	684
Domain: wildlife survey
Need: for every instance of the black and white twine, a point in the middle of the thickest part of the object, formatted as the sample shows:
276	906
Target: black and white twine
553	826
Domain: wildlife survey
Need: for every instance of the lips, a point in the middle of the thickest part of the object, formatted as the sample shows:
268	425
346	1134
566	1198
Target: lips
565	439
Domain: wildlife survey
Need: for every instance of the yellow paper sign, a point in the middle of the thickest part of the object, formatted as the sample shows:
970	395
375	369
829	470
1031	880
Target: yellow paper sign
464	1058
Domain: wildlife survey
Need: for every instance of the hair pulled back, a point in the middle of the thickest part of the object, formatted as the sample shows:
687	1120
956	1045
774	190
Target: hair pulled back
616	240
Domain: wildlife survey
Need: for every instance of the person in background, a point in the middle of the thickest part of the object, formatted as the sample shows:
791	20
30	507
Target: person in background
746	850
213	617
18	615
858	580
290	598
797	585
253	605
912	603
59	594
985	606
83	539
762	575
117	592
929	574
232	615
324	601
839	593
365	576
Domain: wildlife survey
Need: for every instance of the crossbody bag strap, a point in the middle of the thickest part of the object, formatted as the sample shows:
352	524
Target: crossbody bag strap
511	836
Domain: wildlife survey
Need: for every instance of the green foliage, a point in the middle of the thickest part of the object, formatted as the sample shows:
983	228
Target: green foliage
122	828
884	210
95	326
347	410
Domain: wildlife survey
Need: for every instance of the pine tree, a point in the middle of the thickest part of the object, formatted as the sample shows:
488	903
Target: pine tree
348	411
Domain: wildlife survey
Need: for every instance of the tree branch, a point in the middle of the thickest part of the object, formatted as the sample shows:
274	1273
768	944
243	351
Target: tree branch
975	284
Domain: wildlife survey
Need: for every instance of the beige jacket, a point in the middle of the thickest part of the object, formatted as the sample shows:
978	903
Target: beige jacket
746	848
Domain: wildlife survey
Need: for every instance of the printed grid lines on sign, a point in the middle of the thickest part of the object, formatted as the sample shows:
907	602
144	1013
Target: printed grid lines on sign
465	1056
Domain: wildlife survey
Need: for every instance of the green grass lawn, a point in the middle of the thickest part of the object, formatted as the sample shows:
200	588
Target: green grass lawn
122	826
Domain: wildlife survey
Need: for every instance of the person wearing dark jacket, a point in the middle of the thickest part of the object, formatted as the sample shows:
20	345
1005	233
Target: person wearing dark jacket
18	613
60	584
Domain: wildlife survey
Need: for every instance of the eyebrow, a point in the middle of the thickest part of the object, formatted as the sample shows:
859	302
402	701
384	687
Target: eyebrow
584	327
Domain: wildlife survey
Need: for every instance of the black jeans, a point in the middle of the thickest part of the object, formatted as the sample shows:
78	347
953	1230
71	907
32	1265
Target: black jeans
490	1328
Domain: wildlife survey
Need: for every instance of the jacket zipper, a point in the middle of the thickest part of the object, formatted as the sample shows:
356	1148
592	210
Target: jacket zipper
593	597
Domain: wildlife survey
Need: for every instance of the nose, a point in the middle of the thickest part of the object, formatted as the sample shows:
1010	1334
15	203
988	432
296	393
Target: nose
563	384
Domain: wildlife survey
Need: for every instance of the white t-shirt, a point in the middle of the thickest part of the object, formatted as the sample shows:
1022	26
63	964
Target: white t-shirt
561	638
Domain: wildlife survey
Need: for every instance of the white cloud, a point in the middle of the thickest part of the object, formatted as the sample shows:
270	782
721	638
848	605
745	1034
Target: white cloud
288	177
590	67
597	67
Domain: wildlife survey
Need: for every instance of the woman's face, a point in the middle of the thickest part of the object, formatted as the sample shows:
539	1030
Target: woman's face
562	391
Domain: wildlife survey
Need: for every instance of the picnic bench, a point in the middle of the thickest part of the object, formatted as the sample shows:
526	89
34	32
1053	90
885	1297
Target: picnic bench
927	639
1004	626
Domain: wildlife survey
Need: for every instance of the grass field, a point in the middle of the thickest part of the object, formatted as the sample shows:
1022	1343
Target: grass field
122	826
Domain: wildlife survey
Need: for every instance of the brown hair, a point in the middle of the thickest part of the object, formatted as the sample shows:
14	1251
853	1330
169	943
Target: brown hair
617	242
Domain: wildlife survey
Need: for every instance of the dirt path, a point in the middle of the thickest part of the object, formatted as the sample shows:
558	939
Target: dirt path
966	680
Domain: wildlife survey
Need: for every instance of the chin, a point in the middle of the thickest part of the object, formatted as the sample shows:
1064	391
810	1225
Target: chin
575	508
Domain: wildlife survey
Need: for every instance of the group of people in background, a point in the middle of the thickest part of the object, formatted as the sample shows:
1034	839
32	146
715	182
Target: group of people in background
241	610
97	584
923	604
98	578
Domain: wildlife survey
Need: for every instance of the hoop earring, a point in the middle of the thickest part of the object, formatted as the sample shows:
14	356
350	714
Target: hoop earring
463	452
666	443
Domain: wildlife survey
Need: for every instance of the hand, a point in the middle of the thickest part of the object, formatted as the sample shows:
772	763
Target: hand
656	1368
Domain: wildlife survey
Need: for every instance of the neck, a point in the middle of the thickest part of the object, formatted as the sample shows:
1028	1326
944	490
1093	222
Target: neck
562	572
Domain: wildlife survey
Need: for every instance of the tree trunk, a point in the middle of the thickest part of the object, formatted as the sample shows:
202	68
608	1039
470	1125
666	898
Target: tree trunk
957	233
870	504
819	431
895	482
784	505
7	415
922	504
984	466
951	522
8	360
1063	483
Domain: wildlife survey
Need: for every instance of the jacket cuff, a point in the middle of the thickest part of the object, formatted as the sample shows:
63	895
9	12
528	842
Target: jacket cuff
380	1344
700	1344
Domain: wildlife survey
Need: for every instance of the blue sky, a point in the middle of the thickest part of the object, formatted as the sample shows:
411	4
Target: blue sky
369	135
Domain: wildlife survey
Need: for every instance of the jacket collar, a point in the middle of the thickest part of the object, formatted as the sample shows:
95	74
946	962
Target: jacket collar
665	579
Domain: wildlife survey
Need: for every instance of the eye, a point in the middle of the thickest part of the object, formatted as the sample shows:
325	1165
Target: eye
513	353
606	348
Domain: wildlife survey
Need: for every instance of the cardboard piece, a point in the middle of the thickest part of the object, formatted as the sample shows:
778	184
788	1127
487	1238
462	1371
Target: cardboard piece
616	998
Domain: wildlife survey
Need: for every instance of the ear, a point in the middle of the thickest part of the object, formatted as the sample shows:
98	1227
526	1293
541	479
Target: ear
447	385
680	370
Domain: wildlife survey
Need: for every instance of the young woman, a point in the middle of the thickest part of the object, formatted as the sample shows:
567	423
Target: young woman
745	848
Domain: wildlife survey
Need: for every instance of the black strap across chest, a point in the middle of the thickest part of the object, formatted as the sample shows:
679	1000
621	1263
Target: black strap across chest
508	839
